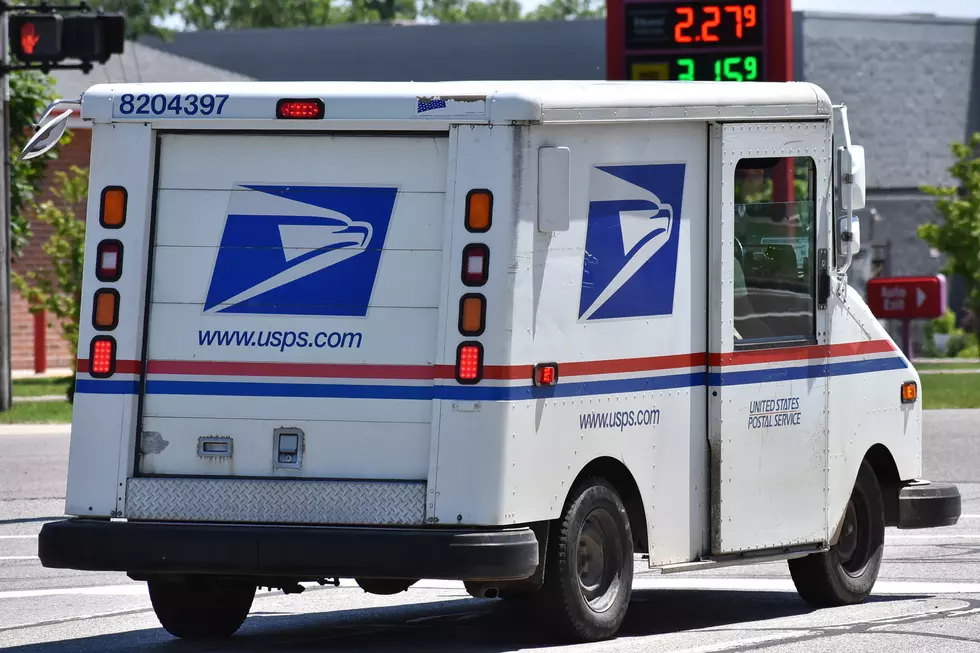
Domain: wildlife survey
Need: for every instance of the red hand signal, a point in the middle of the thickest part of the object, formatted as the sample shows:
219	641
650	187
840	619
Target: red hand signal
28	38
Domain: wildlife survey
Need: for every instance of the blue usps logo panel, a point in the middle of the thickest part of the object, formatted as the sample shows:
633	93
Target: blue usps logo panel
631	242
318	255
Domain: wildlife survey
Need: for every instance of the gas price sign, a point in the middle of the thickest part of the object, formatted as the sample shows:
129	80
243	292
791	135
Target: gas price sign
698	40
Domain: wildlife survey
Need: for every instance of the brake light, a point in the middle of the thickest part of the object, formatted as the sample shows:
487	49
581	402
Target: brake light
479	206
310	109
112	212
102	357
109	260
469	362
105	313
476	264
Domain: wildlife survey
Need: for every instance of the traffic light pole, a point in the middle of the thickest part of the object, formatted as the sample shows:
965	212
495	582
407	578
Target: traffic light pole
6	381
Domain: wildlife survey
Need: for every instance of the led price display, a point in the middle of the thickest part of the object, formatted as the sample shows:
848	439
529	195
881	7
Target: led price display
700	67
676	25
695	40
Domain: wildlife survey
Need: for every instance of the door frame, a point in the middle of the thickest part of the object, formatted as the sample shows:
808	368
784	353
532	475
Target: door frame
727	145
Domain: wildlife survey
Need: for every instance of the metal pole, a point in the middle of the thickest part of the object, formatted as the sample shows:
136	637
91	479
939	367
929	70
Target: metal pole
6	389
907	338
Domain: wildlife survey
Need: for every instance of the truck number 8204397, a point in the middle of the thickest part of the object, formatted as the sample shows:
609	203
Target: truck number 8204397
157	105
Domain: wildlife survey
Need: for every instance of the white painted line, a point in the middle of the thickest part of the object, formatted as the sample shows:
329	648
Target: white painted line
720	647
105	590
937	536
18	537
882	587
18	557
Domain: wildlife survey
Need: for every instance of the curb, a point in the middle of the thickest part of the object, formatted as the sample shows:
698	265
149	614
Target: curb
35	429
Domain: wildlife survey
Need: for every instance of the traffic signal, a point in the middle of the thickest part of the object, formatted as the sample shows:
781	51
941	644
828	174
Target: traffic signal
50	38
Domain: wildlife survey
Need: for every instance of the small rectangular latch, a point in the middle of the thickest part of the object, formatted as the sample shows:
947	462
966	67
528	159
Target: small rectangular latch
288	443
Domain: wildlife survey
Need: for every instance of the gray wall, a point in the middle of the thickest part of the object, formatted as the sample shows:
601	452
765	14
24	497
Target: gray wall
912	85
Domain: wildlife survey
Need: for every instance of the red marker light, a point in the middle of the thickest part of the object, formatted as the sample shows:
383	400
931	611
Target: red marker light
28	38
545	374
312	109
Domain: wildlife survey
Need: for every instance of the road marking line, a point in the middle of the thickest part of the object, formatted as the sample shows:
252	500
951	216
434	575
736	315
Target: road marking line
747	641
18	537
18	557
642	583
948	536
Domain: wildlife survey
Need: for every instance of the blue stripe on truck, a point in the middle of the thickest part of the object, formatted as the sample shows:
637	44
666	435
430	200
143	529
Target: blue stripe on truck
488	392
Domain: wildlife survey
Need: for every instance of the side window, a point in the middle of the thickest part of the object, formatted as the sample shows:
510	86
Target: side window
775	293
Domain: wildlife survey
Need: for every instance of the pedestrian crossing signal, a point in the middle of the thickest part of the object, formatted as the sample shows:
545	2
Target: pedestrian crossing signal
50	38
36	38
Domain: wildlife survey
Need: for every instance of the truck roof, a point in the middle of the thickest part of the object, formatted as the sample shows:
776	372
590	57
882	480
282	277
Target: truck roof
422	103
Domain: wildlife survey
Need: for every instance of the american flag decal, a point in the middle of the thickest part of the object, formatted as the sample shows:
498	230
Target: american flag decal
428	104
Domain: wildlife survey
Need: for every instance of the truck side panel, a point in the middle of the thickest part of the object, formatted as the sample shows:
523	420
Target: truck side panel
105	411
630	345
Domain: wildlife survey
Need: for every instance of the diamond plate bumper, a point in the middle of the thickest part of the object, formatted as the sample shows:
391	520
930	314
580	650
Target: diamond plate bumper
276	501
295	552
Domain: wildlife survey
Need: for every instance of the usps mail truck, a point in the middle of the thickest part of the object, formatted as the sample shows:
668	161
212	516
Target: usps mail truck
522	335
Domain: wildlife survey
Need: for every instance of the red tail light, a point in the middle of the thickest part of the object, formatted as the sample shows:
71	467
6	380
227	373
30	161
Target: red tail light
469	362
102	357
109	260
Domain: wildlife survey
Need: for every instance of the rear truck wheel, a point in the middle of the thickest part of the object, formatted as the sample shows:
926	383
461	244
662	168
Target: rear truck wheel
384	586
201	607
847	572
589	565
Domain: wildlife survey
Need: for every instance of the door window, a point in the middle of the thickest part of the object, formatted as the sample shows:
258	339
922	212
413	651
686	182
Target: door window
775	240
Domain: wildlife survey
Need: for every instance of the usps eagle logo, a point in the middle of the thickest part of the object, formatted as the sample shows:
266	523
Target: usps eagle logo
631	242
300	250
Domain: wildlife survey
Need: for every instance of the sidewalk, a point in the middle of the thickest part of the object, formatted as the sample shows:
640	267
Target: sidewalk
51	373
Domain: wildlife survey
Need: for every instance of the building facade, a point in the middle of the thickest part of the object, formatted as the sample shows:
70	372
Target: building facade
912	85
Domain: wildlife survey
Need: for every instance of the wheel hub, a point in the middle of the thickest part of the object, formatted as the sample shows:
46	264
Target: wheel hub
599	560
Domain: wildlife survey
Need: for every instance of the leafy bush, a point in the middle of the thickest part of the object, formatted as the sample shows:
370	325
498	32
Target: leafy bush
57	288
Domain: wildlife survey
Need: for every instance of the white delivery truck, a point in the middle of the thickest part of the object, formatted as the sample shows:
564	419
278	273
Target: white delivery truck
514	334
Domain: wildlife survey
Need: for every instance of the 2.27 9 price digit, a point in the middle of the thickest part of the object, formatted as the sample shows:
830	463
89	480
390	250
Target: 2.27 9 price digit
744	16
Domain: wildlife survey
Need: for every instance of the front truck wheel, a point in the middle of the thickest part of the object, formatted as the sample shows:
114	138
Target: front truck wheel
589	565
201	607
847	572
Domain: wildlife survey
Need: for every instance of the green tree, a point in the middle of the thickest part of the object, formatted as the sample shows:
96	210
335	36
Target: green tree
30	93
568	10
57	288
472	11
958	235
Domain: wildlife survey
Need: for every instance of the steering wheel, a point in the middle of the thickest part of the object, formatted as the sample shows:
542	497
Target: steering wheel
739	250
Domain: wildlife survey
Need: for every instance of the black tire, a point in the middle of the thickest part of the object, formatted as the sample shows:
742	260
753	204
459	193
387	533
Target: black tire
384	586
847	572
201	607
585	602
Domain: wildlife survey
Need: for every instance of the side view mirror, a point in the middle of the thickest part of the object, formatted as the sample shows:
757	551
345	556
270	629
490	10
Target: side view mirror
849	233
45	138
853	183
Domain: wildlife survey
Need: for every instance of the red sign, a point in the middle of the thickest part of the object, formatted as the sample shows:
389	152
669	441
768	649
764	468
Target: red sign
907	298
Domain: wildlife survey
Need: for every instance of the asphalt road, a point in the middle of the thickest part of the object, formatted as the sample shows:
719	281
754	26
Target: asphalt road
927	598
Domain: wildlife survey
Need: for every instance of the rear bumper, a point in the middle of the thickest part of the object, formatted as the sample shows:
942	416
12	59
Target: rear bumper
923	504
289	551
